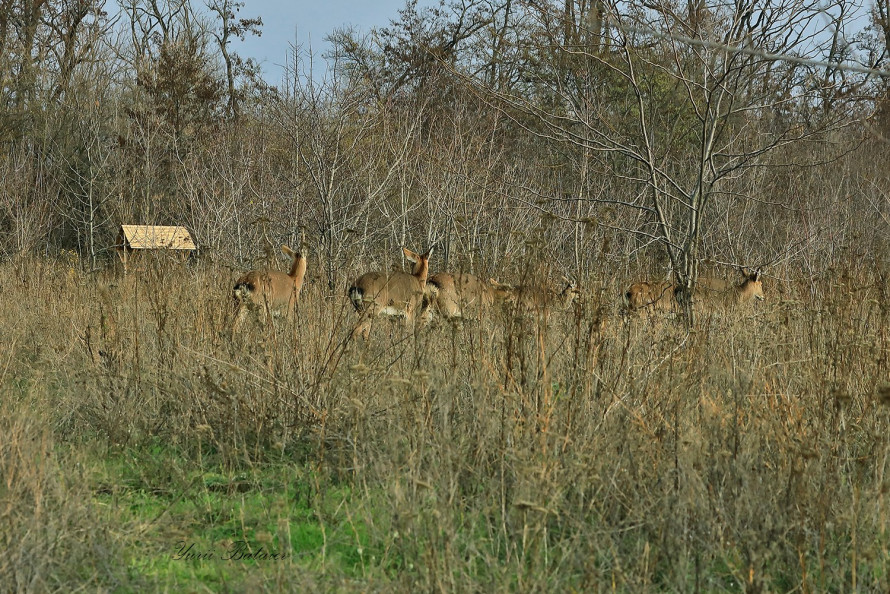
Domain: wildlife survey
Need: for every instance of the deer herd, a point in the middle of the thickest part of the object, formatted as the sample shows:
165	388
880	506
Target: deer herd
457	296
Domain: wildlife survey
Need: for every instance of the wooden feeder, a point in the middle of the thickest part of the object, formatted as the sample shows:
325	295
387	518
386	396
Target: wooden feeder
131	238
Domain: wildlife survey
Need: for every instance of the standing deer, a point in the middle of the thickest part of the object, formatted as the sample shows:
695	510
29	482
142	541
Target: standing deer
657	295
269	291
460	296
537	299
710	293
395	294
718	293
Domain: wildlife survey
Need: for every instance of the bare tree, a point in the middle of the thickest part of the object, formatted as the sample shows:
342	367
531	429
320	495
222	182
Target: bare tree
347	151
85	184
25	216
229	28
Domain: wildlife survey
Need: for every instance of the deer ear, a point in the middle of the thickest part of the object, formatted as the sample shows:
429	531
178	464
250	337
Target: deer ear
410	255
429	252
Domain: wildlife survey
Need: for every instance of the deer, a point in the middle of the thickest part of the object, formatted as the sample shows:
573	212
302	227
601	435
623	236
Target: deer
650	295
537	299
717	292
460	296
270	291
710	293
397	294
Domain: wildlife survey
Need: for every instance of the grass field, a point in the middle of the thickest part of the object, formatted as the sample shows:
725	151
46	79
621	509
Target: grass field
144	448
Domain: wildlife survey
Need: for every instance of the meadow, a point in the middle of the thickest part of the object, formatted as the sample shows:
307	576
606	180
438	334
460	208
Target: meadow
148	448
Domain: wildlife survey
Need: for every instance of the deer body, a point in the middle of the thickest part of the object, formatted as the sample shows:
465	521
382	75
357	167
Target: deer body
537	299
710	293
717	292
397	294
458	296
271	291
658	295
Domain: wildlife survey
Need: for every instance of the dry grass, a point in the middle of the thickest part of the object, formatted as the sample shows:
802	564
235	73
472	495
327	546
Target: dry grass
596	454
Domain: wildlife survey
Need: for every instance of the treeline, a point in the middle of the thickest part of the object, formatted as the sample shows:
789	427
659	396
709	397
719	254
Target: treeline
599	137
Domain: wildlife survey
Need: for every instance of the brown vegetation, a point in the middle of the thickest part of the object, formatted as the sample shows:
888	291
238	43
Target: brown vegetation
745	455
554	445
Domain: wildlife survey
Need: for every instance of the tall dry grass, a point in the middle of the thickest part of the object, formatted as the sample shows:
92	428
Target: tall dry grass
598	453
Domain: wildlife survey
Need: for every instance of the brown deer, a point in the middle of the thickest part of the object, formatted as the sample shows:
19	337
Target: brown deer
710	293
537	299
393	294
269	291
460	296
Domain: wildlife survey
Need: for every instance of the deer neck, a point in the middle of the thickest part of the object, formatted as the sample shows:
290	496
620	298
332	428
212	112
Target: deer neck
298	269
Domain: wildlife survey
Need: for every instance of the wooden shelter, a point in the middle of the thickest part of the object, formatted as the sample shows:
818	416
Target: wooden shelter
153	237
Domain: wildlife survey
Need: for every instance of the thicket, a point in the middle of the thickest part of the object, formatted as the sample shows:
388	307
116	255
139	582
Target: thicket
580	130
604	142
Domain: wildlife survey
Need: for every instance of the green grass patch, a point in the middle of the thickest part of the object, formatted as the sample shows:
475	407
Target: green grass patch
191	526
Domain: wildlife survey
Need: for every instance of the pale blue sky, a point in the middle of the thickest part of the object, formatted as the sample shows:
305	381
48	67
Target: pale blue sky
308	22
